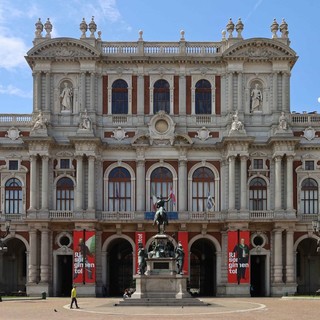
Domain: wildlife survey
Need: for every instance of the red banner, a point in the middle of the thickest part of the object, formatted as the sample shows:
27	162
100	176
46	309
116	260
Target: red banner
140	237
238	257
84	261
183	238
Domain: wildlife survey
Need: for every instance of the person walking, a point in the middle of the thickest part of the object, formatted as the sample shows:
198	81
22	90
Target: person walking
74	297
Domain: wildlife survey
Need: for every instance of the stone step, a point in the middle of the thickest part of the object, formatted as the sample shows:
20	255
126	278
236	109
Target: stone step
129	302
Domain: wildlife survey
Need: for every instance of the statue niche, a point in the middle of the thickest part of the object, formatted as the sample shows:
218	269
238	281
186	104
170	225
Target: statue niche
256	98
66	96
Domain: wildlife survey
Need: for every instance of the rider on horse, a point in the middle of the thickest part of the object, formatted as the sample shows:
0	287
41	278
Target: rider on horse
160	216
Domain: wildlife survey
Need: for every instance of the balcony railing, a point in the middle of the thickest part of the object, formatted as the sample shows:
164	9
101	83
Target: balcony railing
161	48
262	215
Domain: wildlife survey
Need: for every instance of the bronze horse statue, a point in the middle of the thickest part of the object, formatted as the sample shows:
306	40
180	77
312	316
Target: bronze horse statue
160	217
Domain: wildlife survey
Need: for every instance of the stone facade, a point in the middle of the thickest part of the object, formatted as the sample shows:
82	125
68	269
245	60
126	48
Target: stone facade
115	124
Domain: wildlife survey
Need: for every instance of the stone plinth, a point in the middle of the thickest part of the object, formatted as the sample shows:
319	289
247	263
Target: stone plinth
161	266
161	286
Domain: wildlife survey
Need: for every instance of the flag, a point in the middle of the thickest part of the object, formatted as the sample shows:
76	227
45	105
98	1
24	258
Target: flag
210	202
172	196
154	201
117	191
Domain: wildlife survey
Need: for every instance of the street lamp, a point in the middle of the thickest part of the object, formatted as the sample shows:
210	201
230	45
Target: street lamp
3	247
316	230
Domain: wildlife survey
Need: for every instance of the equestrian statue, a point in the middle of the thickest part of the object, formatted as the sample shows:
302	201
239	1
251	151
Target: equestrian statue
160	217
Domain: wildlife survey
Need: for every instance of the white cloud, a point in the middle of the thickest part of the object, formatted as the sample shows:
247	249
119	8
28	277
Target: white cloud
13	91
110	10
12	52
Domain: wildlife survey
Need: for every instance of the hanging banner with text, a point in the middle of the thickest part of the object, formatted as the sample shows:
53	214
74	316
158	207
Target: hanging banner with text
84	261
140	238
183	239
238	257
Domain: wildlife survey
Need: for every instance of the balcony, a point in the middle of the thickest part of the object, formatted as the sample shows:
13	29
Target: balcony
146	216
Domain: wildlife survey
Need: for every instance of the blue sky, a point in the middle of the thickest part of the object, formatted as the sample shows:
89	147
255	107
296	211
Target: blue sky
121	20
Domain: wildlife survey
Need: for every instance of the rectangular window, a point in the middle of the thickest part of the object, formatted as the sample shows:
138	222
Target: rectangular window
309	165
65	164
13	164
257	164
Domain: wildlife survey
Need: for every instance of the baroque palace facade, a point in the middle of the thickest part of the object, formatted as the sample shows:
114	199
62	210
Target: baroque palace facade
116	124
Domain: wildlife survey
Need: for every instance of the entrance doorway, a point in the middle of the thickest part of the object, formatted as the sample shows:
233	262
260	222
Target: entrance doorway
258	275
120	266
203	268
13	267
64	283
308	265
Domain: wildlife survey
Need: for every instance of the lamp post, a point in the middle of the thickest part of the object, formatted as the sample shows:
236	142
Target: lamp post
3	246
316	230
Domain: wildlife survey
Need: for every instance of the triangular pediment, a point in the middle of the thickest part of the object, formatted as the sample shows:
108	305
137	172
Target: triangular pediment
63	48
260	48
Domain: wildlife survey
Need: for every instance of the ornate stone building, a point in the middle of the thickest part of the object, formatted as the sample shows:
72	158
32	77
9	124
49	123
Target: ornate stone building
117	124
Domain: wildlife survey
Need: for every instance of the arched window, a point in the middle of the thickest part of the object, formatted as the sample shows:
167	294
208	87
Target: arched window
120	97
161	182
161	96
119	190
13	196
309	196
65	194
203	97
203	190
258	194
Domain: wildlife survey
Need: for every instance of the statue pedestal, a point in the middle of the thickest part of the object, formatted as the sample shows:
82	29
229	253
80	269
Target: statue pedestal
162	286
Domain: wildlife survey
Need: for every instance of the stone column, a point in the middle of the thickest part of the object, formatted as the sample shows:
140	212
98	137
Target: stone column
277	186
284	91
92	91
231	183
141	187
240	105
224	259
289	183
44	267
230	92
182	95
182	187
83	92
140	97
48	95
243	182
37	91
33	256
224	184
289	256
45	183
33	182
277	255
275	91
79	190
91	183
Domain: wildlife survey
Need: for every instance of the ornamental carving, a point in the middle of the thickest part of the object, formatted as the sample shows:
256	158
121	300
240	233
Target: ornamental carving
13	133
309	133
161	129
119	134
203	134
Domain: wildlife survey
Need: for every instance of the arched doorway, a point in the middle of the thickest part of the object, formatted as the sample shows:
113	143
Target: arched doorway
120	266
13	267
203	268
307	267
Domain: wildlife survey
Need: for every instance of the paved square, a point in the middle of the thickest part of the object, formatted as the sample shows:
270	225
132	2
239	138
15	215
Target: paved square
220	308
